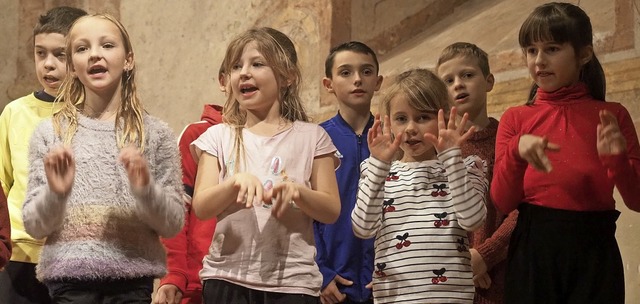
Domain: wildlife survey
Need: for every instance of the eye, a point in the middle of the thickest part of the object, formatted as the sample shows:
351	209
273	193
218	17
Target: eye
40	53
344	73
236	66
531	51
108	45
467	75
447	81
258	64
81	48
400	118
367	72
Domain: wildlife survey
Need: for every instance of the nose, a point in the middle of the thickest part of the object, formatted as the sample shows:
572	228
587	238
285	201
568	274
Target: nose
540	60
357	79
458	83
95	54
49	63
410	128
244	71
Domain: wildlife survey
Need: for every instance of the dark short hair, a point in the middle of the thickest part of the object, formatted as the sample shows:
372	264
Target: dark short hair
353	46
58	20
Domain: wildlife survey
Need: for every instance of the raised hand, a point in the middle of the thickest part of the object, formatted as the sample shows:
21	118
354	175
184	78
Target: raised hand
382	145
533	149
449	134
136	166
60	169
282	196
610	140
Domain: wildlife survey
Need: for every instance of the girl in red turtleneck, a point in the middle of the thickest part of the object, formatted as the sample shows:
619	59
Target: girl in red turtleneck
558	159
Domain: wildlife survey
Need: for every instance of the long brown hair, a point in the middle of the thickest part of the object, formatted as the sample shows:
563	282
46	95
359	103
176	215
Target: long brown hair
280	54
129	117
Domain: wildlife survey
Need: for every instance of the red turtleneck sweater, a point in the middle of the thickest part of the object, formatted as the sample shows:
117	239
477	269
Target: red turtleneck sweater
581	180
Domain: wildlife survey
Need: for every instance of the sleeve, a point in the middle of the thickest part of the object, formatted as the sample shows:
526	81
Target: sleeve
321	257
494	249
177	246
160	205
5	232
207	142
366	217
507	185
6	166
624	169
468	187
43	211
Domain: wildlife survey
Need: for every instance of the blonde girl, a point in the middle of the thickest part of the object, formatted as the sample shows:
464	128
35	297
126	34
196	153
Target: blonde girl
420	207
266	173
104	177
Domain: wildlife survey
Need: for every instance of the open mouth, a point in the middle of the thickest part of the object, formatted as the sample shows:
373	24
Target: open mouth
50	79
462	96
97	70
358	91
247	89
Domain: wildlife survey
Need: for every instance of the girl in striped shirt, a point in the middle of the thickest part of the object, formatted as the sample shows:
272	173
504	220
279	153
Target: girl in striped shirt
420	206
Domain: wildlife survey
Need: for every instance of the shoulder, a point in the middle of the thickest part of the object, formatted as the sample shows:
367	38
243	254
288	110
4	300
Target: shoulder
157	129
16	104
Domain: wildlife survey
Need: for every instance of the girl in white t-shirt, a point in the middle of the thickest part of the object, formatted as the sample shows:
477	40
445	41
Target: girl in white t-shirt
266	174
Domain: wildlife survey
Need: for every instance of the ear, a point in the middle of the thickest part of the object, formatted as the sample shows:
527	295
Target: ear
129	62
379	82
327	83
586	54
490	82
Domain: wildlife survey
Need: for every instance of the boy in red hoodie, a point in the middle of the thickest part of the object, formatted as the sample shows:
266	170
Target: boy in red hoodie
185	251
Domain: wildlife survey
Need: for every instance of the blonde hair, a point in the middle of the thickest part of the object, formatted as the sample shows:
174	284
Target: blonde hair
129	117
424	90
280	55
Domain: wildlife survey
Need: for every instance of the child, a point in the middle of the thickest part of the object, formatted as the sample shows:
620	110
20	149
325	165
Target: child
186	250
104	178
266	173
18	283
557	161
346	262
5	232
464	68
420	207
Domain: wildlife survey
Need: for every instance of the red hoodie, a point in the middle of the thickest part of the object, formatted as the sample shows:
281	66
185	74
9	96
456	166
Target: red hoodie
186	250
5	232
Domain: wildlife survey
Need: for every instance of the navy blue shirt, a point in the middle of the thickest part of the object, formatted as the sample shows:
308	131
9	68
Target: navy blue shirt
339	250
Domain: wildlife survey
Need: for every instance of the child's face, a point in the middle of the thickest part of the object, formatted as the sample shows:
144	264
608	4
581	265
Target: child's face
98	54
552	65
253	82
413	124
466	84
354	79
50	59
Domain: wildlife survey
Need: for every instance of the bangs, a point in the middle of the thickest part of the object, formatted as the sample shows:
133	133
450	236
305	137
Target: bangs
546	24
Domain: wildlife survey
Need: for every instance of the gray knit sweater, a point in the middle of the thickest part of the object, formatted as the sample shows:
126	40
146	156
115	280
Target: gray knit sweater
102	230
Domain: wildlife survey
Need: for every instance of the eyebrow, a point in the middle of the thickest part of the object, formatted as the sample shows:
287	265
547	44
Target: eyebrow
366	65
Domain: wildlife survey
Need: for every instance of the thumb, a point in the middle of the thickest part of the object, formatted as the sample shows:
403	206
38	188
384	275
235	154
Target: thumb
343	281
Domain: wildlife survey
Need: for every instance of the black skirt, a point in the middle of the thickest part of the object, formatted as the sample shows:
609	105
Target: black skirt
562	256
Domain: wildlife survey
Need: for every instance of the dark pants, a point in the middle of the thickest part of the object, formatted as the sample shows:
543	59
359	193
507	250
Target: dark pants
219	291
95	292
18	285
564	257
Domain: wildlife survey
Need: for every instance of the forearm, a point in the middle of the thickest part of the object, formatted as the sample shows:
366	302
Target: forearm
161	208
494	249
507	184
213	201
322	207
468	188
43	212
367	214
